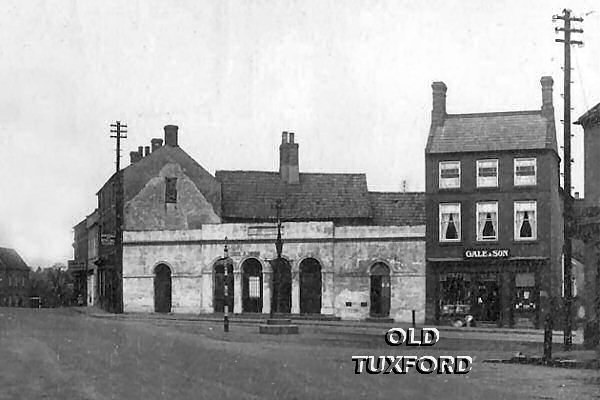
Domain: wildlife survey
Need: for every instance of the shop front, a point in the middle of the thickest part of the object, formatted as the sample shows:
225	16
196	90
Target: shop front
489	286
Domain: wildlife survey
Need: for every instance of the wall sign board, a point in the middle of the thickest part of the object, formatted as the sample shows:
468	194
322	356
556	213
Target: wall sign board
486	253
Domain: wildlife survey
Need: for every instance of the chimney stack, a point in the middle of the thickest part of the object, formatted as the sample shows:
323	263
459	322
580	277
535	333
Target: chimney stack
288	159
547	107
171	135
134	157
156	143
141	151
146	151
438	112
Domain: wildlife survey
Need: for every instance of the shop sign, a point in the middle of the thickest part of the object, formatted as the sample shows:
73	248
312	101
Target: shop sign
486	253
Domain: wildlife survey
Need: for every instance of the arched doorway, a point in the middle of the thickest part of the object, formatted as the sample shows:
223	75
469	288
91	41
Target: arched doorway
281	302
310	286
380	290
219	285
252	286
162	289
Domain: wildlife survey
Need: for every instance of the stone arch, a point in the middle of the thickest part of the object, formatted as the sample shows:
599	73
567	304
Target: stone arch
162	288
252	284
311	285
380	289
223	287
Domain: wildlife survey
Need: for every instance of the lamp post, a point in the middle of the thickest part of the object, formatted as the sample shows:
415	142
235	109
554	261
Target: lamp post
226	288
279	249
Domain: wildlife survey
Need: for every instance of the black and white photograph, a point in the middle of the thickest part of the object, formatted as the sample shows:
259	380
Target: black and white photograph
299	199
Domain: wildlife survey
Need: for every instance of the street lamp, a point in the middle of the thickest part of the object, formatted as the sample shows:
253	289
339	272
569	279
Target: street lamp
279	249
226	288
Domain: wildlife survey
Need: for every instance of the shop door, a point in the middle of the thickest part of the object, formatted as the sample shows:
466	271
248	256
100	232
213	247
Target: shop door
488	300
310	286
380	291
162	289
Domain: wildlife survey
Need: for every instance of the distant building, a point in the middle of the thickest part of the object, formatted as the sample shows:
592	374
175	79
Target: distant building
348	252
494	214
14	279
93	236
77	267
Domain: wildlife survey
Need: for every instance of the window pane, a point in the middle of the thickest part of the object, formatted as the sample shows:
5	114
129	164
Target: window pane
449	222
171	190
487	173
449	174
525	220
487	221
525	171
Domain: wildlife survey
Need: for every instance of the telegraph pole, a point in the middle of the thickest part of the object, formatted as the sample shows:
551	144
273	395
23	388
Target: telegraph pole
118	131
568	200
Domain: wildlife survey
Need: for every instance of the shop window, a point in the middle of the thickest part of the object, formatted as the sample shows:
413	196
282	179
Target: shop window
487	173
455	294
524	290
487	221
449	222
449	174
525	220
525	171
171	190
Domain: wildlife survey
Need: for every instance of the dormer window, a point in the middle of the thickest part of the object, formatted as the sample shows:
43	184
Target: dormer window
170	190
525	171
449	174
487	173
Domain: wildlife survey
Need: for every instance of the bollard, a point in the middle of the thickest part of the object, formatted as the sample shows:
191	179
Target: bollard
414	323
548	338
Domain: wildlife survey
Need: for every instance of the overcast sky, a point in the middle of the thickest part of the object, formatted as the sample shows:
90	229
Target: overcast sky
352	78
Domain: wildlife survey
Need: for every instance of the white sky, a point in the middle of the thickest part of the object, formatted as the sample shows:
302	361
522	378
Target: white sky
352	79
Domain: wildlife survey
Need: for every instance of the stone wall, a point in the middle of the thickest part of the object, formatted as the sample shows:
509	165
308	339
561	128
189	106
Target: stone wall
345	254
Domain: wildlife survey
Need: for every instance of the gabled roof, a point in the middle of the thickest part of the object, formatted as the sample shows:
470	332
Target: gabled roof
591	117
10	259
398	208
513	130
251	195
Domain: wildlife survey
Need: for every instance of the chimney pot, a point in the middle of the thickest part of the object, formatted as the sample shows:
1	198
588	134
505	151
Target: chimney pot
134	157
291	137
141	151
284	137
146	151
156	143
171	135
438	112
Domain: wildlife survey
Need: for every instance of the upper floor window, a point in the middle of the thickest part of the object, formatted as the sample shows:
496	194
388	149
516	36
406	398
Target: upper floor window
449	174
449	222
525	171
525	220
171	190
487	173
487	221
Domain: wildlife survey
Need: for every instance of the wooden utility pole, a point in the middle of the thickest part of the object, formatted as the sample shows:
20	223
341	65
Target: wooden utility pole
568	200
119	131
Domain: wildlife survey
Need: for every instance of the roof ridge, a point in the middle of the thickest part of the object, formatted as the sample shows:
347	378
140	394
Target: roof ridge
495	114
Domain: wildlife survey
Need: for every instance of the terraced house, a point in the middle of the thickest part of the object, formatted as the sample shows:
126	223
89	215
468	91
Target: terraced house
494	213
347	251
14	279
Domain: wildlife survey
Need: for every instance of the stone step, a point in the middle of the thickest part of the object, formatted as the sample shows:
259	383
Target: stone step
278	329
279	321
382	320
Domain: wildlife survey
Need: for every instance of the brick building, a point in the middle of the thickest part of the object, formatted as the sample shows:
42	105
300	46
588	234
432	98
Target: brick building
348	252
494	213
14	279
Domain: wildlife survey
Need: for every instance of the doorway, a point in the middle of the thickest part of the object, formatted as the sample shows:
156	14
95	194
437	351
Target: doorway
310	286
252	286
281	302
380	291
162	289
219	282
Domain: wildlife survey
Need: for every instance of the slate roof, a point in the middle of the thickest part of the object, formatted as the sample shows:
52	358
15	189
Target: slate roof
251	195
398	208
10	259
591	116
514	130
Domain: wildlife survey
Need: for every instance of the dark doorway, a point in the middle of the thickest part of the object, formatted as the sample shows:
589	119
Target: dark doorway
281	301
252	286
380	290
310	286
487	298
219	285
162	289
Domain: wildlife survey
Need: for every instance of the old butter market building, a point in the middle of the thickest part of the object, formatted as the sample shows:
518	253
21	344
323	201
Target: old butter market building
493	213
